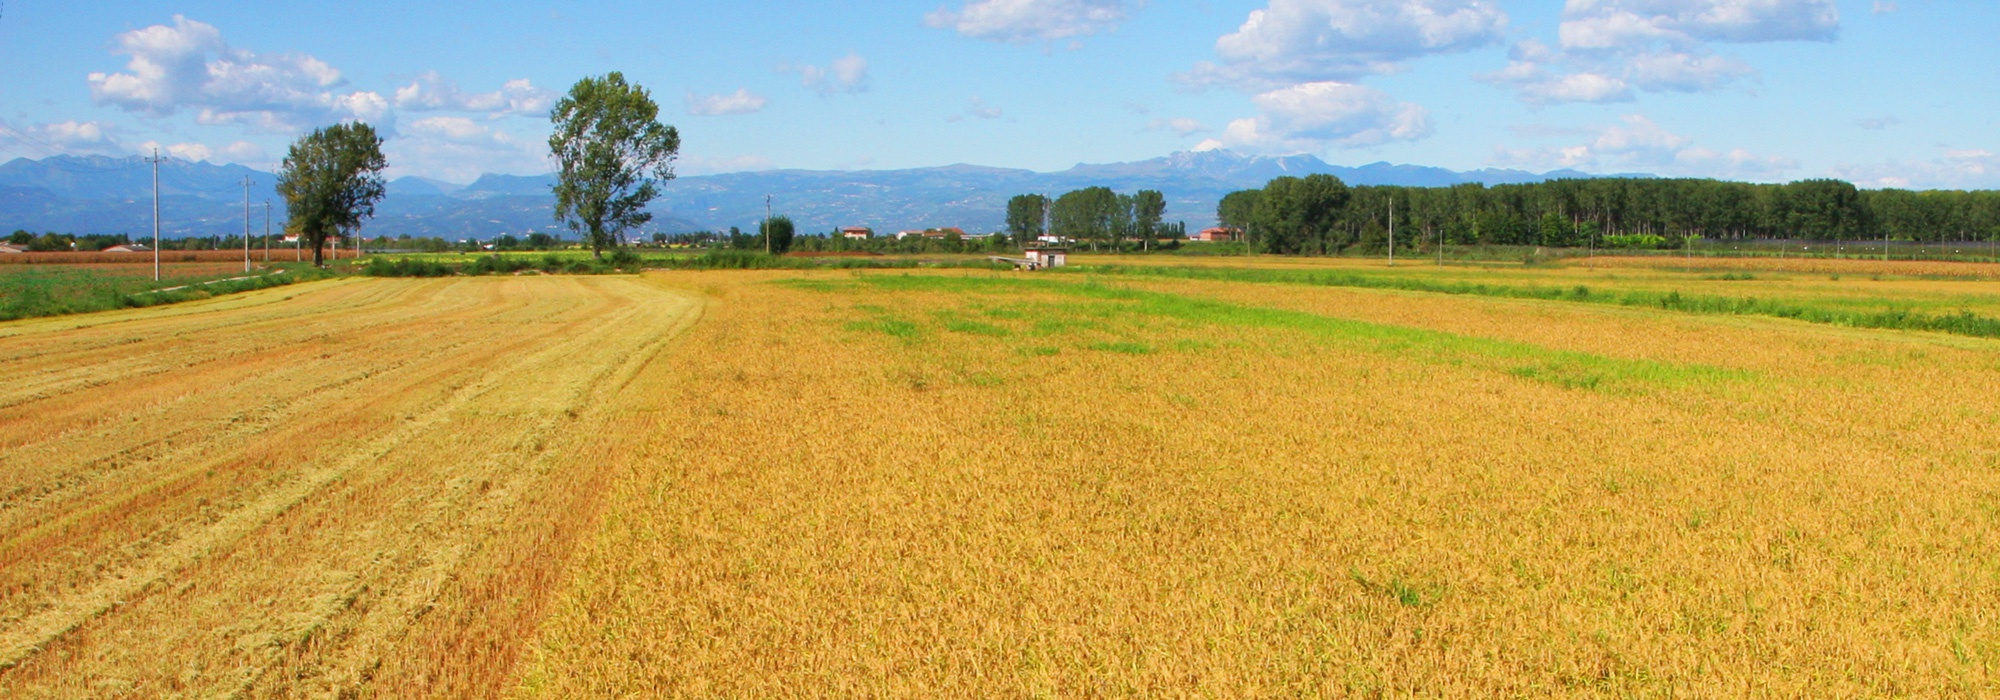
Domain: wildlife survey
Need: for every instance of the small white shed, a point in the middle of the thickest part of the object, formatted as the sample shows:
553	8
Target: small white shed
1046	256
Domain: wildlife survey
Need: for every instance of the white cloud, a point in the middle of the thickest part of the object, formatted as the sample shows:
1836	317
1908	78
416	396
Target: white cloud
1181	126
1314	116
976	109
1298	41
59	138
848	74
742	102
189	66
1630	24
460	149
431	92
1883	7
238	152
1031	21
1952	169
1657	45
1683	72
1537	87
1641	144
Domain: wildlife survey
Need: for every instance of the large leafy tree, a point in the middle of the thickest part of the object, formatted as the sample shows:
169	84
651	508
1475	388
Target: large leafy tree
1088	214
331	180
612	152
778	234
1024	216
1295	213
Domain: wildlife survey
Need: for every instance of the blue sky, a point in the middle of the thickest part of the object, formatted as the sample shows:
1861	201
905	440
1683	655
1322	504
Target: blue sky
1882	93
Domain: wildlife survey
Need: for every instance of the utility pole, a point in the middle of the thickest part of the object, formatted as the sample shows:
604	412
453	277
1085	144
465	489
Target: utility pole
267	232
1392	230
246	223
767	224
155	160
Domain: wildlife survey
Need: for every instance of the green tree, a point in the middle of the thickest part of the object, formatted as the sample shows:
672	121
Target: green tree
611	152
1295	213
1148	208
20	237
1089	214
779	230
1024	216
331	180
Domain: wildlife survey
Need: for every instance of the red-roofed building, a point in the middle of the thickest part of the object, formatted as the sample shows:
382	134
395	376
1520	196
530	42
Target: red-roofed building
1216	235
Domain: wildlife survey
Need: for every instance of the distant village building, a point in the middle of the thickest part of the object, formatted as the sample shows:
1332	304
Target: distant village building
6	248
857	232
128	248
1216	235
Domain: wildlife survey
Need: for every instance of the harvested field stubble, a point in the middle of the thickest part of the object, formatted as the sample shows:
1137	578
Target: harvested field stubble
367	487
986	487
946	484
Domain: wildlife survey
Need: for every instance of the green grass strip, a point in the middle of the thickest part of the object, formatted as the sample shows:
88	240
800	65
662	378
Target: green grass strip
1962	322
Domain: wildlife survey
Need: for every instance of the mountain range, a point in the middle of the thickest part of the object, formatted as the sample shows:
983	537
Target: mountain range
98	194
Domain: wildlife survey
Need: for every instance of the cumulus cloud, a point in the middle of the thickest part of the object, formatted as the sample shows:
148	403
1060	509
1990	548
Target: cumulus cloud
1299	41
1315	116
460	149
238	152
848	74
1641	144
1954	168
1883	7
189	66
1626	24
742	102
57	138
431	92
1656	45
1031	21
1181	126
976	109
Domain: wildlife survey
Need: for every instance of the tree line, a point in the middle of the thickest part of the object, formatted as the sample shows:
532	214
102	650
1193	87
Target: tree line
1321	214
1096	216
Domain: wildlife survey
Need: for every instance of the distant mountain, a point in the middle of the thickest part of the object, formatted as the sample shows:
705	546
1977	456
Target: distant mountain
114	195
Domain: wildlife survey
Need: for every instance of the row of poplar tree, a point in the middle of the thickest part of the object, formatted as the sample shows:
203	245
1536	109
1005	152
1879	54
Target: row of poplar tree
1320	214
1095	216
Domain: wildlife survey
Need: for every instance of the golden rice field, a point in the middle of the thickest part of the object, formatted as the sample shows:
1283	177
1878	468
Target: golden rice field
970	484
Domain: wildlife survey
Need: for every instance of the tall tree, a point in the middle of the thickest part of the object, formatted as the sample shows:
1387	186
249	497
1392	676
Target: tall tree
1297	213
612	152
1088	214
331	180
1148	208
1024	216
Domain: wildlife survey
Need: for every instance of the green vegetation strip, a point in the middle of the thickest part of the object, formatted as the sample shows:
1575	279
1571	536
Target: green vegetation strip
626	261
35	293
1963	323
1570	369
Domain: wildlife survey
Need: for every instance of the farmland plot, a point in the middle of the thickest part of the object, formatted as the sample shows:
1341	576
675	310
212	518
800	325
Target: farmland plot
366	484
966	484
